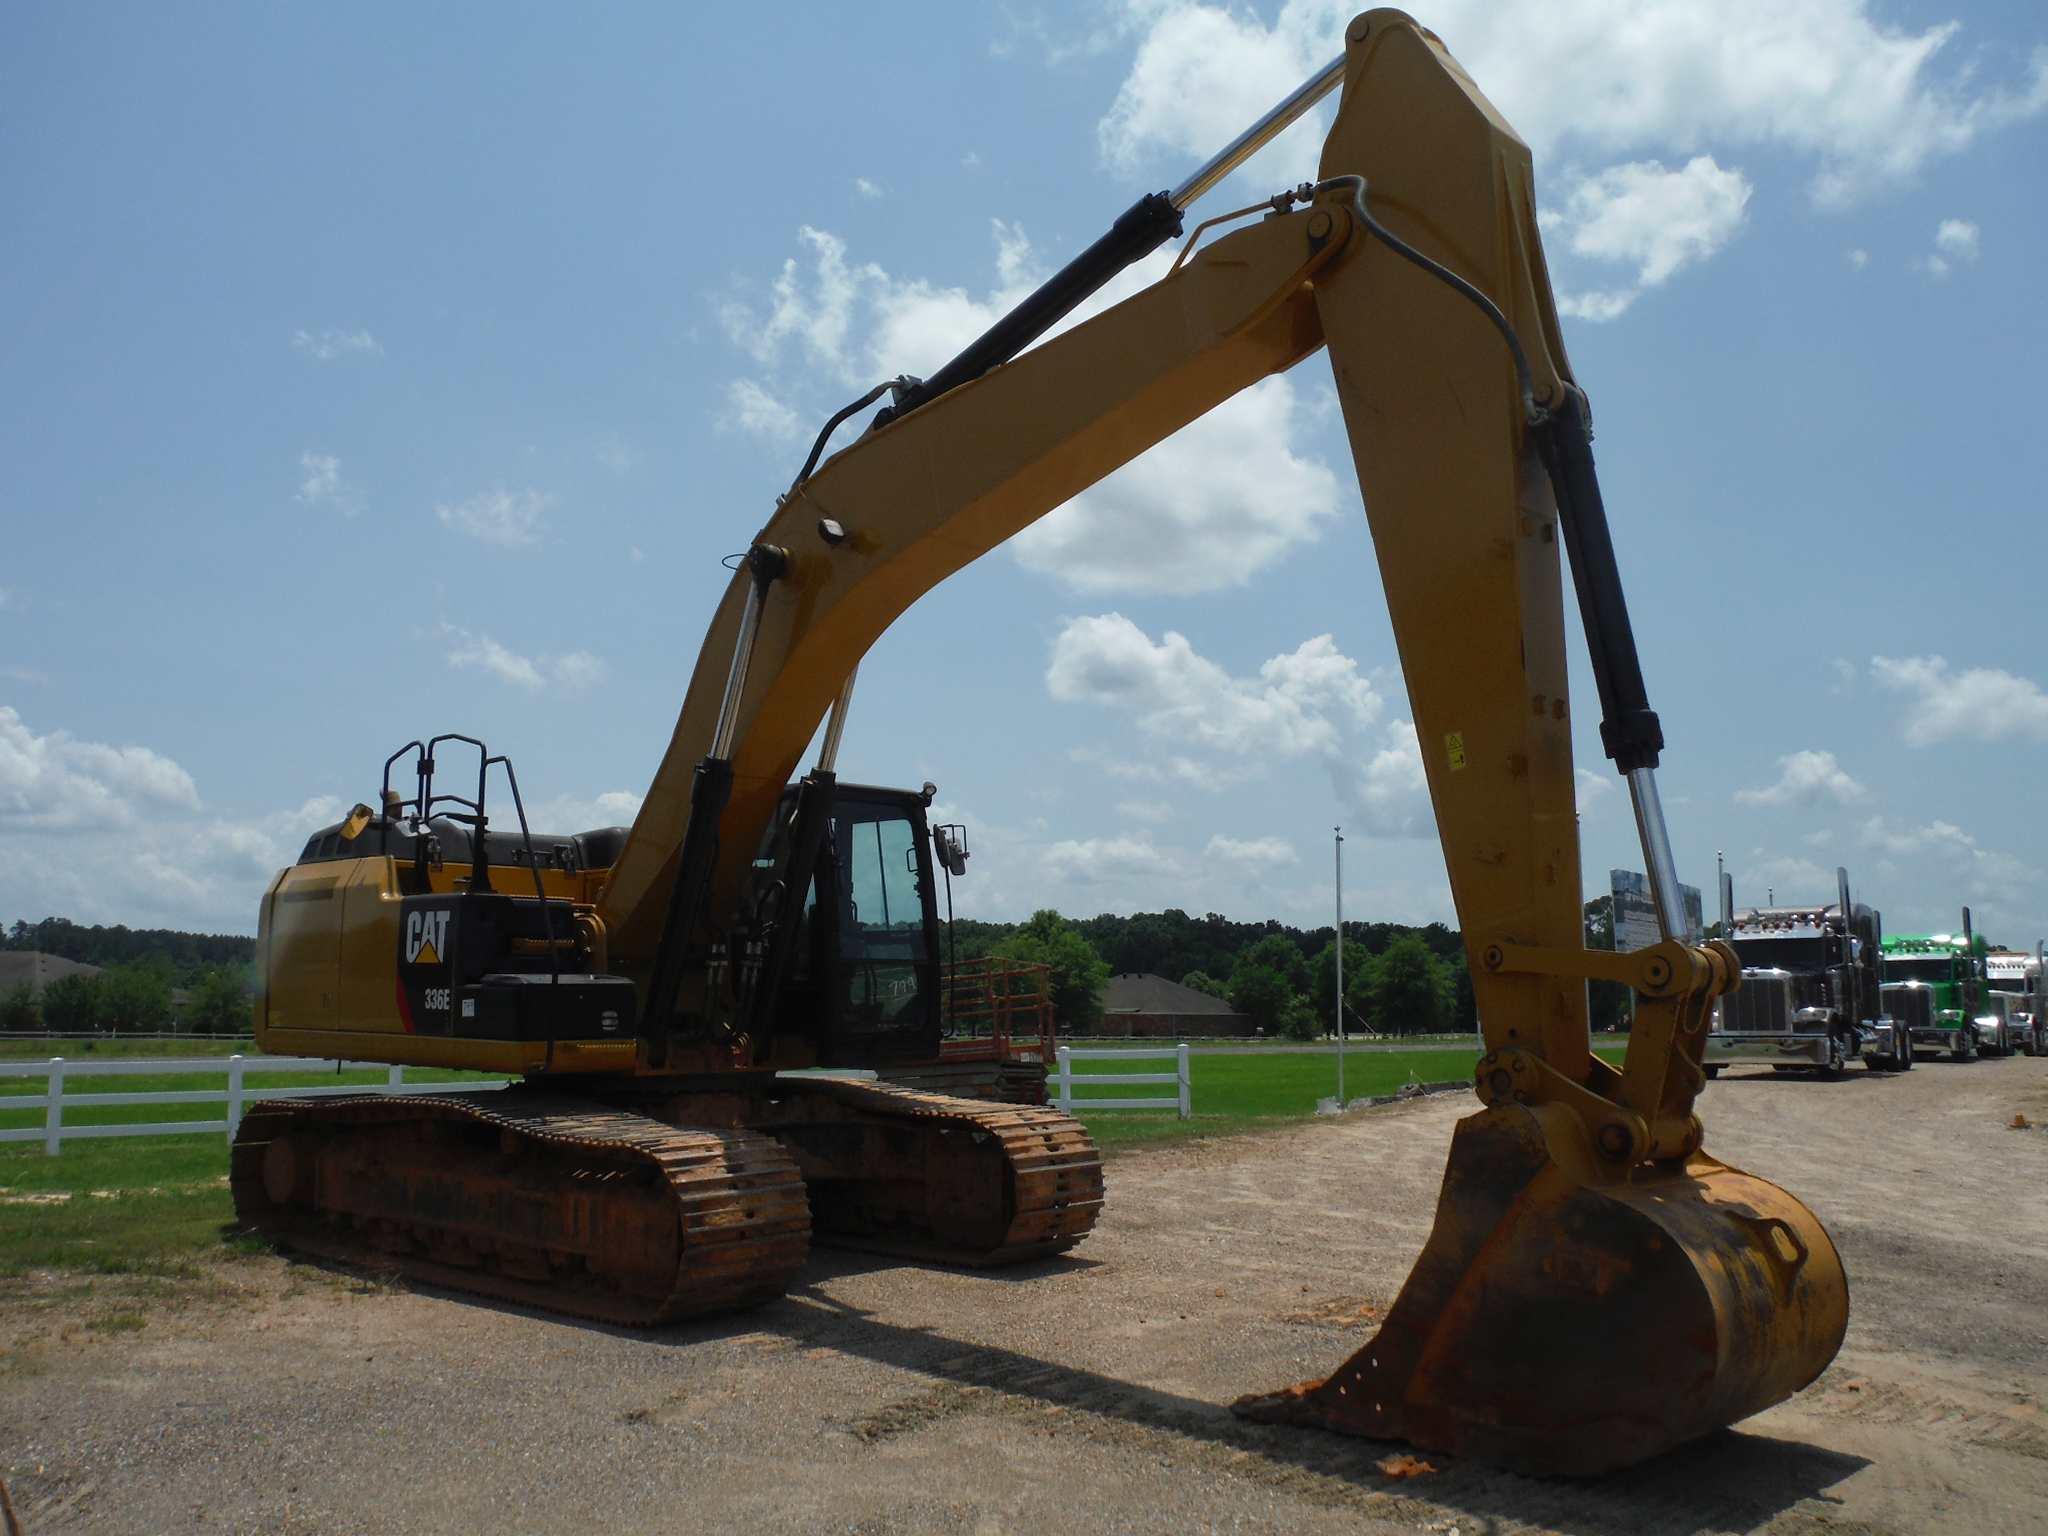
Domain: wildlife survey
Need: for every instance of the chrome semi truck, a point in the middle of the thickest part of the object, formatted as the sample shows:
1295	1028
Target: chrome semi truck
1811	994
2014	979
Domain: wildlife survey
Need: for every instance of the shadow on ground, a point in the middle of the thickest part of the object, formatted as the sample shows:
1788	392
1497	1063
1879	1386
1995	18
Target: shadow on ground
1732	1480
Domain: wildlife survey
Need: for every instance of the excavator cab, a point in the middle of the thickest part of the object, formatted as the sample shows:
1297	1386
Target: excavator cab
852	963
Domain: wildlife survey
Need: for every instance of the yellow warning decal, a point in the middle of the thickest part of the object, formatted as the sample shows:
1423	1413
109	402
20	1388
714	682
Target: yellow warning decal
1454	749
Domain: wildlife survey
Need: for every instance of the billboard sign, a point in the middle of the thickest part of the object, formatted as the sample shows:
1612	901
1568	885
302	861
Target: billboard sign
1635	915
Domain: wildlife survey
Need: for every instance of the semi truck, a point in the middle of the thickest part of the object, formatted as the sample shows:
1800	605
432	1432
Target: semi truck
1934	985
2014	979
1811	994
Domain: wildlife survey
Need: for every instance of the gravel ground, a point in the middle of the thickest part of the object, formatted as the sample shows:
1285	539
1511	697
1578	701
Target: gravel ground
1083	1394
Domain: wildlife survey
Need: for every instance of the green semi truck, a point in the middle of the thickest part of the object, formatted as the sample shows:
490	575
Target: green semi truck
1934	985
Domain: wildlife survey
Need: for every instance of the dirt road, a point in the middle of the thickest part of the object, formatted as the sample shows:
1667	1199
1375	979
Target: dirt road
1085	1394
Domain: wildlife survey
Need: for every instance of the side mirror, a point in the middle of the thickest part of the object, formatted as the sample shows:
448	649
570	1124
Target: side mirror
951	843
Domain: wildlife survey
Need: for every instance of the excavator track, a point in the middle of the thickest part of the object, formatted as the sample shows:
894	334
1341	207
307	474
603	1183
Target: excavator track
530	1197
961	1181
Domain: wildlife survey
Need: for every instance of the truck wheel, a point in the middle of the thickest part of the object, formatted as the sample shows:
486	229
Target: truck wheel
1962	1052
1836	1058
1905	1056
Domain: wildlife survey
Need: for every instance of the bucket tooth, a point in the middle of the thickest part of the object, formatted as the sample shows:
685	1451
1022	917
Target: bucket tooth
1558	1323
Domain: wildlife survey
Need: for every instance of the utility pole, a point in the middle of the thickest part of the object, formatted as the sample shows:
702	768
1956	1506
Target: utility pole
1339	832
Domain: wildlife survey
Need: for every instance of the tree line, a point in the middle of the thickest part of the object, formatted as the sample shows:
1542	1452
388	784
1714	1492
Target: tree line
1398	979
188	955
150	979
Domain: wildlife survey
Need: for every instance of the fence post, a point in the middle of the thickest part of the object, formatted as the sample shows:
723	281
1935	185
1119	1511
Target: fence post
1066	1081
234	1095
395	1078
53	1117
1186	1108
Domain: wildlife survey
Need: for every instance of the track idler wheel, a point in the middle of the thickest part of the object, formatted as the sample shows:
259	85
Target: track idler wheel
1557	1323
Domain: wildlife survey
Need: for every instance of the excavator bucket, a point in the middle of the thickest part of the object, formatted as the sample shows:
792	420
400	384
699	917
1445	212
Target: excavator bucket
1558	1325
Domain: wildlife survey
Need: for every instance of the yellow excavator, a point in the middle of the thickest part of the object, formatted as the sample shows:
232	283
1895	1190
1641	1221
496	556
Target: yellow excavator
1596	1288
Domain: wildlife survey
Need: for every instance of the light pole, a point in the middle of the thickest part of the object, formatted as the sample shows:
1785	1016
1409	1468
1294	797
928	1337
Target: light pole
1339	833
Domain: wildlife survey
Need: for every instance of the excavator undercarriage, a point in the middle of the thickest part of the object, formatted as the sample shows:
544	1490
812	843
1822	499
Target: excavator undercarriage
642	1208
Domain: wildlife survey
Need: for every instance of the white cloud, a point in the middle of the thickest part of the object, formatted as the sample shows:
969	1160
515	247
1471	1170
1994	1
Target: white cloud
636	554
1781	878
815	317
750	408
508	519
1980	703
1893	837
573	671
1956	241
1590	788
1858	259
1297	704
1108	860
584	813
1310	702
577	670
1153	811
1389	793
1806	778
1213	506
1598	304
325	346
1222	500
487	655
16	673
321	485
1253	855
1174	768
1989	875
617	455
1656	220
1866	104
56	782
868	189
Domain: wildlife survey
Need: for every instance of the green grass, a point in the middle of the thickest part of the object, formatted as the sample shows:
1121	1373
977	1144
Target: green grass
120	1232
1230	1094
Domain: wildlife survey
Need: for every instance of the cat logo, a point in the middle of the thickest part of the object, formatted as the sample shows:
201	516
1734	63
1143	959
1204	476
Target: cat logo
426	935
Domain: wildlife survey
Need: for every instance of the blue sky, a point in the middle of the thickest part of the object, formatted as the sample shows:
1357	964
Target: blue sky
376	372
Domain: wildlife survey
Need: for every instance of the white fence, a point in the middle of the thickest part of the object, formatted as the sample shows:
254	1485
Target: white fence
1060	1084
53	1101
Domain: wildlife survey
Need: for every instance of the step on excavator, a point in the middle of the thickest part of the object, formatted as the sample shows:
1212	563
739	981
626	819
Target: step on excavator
1596	1287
